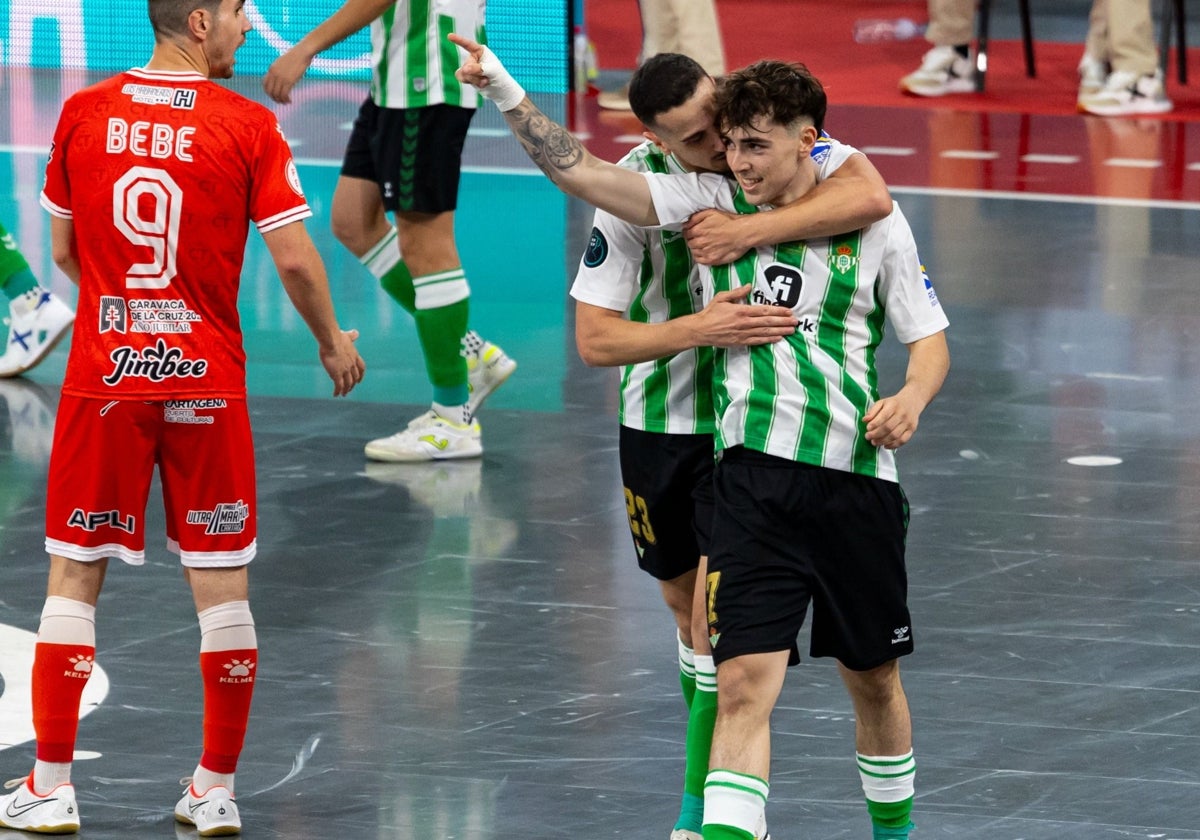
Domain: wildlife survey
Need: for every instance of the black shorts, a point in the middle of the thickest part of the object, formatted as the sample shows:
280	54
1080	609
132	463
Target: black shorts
413	154
669	498
785	534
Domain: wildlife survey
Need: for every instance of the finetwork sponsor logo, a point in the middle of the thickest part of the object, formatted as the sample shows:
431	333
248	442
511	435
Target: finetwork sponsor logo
225	518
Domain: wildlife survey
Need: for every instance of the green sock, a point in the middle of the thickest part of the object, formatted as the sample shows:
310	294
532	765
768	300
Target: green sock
880	832
716	831
398	283
701	719
440	332
15	277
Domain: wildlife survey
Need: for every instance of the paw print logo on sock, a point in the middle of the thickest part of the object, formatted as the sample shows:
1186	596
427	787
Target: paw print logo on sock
81	666
239	671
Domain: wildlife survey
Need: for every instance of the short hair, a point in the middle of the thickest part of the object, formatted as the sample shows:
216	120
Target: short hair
776	90
169	18
663	82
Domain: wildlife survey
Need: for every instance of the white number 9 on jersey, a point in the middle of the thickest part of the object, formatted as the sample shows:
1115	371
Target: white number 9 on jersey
156	191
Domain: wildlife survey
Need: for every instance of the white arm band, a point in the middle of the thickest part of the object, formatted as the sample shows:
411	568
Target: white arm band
502	88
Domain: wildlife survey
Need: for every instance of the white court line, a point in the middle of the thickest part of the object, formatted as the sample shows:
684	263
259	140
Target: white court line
970	154
888	151
1063	159
938	191
1134	163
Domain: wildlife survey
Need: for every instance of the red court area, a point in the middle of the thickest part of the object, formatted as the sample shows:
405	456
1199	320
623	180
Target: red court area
1019	135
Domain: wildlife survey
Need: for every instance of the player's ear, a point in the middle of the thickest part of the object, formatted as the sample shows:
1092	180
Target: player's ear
656	140
200	23
808	137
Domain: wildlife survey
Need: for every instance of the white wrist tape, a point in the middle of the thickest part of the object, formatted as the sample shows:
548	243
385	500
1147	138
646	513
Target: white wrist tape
502	87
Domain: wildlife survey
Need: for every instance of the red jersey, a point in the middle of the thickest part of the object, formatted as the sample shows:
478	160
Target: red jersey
161	174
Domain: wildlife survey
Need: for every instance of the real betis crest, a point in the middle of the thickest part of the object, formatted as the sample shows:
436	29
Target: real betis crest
844	260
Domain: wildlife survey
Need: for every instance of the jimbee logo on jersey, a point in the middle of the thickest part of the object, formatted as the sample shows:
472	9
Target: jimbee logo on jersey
114	314
225	518
783	286
157	363
597	249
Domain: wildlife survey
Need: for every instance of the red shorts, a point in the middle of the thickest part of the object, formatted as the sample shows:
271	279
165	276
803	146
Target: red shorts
103	460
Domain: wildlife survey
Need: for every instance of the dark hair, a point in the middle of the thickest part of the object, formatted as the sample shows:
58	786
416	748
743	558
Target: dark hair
663	82
774	90
170	17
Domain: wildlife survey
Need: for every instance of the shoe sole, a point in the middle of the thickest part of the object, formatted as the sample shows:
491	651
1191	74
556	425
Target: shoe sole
1118	111
214	831
34	362
65	828
386	457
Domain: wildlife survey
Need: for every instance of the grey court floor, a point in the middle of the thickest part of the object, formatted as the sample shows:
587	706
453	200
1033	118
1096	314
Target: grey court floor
468	652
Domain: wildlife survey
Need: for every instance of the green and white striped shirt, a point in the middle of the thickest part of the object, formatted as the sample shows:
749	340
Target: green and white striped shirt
648	275
412	61
804	398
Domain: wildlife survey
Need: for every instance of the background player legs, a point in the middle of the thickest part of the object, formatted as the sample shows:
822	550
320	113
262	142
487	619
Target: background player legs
702	714
883	743
417	264
698	681
37	318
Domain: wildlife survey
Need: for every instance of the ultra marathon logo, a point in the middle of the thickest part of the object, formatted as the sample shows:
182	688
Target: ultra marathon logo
225	518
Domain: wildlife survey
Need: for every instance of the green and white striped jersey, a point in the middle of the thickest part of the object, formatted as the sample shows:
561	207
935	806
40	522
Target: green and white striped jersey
412	61
804	398
648	275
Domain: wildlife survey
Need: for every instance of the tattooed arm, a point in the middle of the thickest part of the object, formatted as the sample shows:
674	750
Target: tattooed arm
557	152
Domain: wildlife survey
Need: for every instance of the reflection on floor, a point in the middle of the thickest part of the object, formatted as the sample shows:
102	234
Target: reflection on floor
468	651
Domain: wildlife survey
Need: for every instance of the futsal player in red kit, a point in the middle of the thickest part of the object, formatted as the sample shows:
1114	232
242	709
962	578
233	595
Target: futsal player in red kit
154	178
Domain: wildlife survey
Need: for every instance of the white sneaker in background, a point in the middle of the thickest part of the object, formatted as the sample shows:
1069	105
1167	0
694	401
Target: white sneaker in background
942	71
37	321
1125	94
429	438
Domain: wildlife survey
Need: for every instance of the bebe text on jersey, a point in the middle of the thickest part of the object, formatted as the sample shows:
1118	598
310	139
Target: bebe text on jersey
147	139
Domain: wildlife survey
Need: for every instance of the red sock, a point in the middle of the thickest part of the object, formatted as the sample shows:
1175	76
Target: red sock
228	686
60	673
